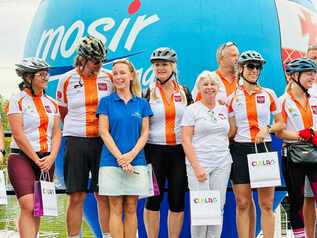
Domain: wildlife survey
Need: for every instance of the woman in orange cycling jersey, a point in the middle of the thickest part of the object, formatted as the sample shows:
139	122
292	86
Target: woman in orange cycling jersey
164	149
299	111
33	118
250	109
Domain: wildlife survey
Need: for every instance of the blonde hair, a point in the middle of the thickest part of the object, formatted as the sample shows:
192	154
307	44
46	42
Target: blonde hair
207	75
153	95
135	87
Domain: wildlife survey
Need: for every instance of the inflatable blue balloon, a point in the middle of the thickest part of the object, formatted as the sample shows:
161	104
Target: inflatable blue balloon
279	29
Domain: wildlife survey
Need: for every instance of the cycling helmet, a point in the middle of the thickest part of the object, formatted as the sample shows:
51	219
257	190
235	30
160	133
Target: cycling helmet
251	55
300	65
30	65
164	53
91	47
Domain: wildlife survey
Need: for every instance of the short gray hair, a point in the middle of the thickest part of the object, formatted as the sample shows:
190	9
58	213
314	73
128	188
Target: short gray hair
222	47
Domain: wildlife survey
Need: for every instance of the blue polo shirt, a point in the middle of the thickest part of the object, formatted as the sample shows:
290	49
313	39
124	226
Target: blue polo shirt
125	124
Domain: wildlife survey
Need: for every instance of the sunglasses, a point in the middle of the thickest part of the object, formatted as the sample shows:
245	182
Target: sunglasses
225	45
96	62
251	66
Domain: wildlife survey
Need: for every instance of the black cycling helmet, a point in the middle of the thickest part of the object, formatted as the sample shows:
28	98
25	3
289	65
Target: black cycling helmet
30	65
91	47
251	55
301	65
164	53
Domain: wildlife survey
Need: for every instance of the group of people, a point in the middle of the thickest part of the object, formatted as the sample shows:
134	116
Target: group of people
112	134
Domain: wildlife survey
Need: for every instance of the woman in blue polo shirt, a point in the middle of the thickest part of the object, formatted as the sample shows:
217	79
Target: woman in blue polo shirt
124	129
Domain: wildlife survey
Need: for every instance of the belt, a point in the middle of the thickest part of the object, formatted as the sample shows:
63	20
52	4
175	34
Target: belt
39	153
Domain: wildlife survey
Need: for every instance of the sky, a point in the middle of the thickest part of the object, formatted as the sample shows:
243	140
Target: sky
15	20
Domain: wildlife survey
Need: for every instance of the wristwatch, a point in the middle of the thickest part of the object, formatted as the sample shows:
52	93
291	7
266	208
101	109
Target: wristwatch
3	152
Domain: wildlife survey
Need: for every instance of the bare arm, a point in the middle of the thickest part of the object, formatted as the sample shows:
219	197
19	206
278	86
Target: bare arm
128	157
63	112
275	128
232	127
16	125
187	135
48	161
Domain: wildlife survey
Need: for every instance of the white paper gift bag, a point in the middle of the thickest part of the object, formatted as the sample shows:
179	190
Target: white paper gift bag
45	199
264	169
3	191
205	208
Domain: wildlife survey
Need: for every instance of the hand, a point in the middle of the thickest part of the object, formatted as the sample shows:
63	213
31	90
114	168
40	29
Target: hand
46	163
259	138
128	168
305	134
127	158
200	173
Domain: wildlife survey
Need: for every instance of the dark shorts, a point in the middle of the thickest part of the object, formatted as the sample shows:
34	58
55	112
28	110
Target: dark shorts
168	164
81	164
239	151
23	172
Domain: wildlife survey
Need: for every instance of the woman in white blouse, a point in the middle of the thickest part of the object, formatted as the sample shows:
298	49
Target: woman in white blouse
205	130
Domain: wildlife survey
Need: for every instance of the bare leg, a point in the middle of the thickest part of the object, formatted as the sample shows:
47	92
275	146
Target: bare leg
116	225
243	196
252	215
75	213
152	223
28	223
130	217
103	212
309	217
175	223
266	199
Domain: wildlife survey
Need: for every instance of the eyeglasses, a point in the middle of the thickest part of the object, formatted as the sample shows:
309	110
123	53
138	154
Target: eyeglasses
42	74
251	66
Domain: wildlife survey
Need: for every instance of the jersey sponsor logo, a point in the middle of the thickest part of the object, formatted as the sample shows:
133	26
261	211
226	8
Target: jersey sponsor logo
314	109
260	99
48	109
136	114
59	94
102	86
177	98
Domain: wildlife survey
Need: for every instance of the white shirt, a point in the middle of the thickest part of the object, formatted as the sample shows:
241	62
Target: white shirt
39	113
81	98
210	135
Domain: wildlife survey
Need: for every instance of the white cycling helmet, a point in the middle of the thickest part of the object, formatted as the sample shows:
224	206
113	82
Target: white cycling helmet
164	53
30	65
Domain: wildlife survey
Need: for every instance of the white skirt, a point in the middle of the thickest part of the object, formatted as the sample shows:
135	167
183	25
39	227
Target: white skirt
113	181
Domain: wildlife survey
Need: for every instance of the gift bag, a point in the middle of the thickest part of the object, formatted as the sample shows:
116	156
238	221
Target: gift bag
264	169
205	208
153	188
3	190
45	199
